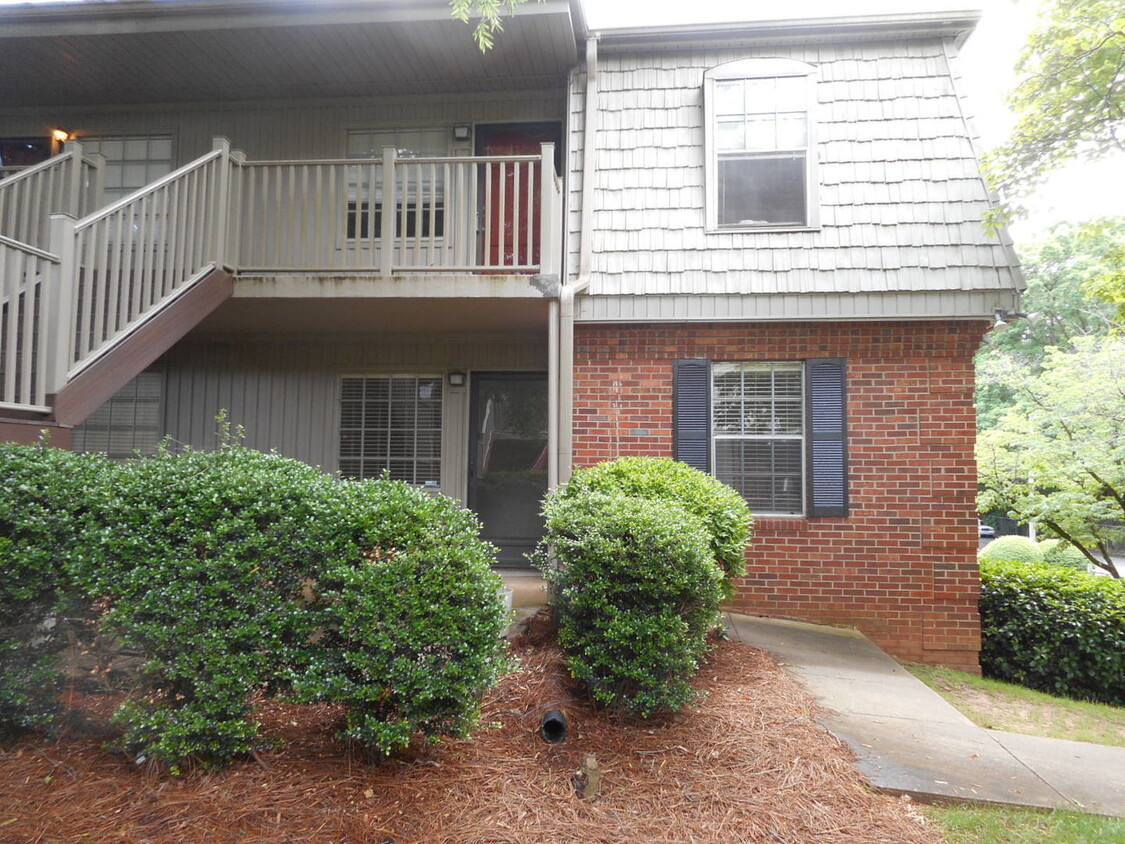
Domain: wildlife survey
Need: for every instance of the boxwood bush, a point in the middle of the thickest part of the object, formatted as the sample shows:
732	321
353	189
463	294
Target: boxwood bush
724	513
1054	629
1011	549
1056	552
637	590
410	617
44	501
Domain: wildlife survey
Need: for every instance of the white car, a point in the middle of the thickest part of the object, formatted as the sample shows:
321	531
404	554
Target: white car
986	531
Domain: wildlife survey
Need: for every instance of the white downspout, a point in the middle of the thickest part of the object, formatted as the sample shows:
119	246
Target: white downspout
568	292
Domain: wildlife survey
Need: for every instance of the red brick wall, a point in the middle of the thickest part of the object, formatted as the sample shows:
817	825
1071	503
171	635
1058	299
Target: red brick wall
902	566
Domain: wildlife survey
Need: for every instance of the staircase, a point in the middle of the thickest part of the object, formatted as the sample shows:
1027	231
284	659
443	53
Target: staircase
87	304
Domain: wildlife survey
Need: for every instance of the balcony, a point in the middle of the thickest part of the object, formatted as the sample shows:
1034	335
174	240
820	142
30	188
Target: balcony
75	291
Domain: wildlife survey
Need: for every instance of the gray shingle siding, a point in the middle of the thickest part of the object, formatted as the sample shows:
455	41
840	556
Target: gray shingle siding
900	192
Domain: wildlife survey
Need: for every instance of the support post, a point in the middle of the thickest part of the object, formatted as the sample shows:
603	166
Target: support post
73	194
221	209
58	304
387	229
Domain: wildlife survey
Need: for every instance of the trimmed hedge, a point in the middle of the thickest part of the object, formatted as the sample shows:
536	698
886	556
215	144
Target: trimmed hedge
410	616
238	573
1053	629
723	512
1056	552
1011	549
203	557
637	591
44	501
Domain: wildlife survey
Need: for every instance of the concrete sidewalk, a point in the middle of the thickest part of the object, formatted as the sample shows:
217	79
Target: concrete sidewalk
909	740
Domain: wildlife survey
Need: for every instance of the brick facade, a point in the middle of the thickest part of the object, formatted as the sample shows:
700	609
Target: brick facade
902	566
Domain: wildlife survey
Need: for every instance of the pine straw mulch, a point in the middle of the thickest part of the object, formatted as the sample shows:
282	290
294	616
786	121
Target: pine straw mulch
748	764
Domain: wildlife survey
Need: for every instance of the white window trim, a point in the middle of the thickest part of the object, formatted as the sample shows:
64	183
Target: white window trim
763	68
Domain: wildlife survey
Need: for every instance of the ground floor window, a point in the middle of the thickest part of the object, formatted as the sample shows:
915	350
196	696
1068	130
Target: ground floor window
128	424
391	423
775	431
758	433
131	161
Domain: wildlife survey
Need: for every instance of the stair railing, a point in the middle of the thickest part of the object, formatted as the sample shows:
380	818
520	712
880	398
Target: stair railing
67	183
124	264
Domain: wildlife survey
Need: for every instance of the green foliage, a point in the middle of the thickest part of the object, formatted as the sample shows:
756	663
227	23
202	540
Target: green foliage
203	556
44	500
1059	553
1069	98
490	14
411	617
723	512
1011	549
638	591
1063	272
1054	630
1058	459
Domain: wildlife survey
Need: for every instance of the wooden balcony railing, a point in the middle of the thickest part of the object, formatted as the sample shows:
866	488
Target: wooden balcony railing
399	215
66	303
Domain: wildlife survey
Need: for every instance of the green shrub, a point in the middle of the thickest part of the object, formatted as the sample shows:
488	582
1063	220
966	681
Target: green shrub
637	591
44	500
1054	630
723	512
203	557
411	616
1059	553
1011	549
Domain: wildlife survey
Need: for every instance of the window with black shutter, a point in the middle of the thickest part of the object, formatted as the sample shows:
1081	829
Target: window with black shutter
775	431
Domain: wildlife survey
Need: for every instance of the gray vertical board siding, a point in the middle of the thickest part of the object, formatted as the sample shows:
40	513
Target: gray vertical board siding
299	129
283	393
901	196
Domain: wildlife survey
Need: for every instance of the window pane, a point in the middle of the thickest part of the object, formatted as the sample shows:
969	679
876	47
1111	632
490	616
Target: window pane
761	132
762	191
729	97
767	472
761	96
731	135
792	131
391	422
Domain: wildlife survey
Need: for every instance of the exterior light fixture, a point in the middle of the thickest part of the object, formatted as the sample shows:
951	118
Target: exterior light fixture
456	378
1004	317
462	133
60	135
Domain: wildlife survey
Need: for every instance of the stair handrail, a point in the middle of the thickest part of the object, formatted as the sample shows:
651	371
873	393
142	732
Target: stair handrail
56	185
152	187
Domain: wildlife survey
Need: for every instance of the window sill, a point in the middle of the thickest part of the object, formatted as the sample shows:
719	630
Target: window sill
763	229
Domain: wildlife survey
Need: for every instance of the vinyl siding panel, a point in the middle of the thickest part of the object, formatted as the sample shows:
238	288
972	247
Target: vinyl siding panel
283	393
900	193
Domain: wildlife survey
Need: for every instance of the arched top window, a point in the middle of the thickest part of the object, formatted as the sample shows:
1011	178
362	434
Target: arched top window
760	145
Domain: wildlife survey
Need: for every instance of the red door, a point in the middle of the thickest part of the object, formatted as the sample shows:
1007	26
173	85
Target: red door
511	192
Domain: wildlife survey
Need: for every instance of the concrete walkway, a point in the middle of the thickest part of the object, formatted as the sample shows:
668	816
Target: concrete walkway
906	737
909	740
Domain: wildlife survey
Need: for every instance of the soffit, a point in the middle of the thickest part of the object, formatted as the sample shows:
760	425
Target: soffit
252	53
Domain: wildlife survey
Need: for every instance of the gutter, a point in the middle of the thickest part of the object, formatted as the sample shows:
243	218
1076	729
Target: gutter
569	292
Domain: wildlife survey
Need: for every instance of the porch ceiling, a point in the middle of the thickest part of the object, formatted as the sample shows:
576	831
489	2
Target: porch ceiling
134	51
293	317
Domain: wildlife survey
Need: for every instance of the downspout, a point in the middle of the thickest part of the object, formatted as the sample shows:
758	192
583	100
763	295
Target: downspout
569	292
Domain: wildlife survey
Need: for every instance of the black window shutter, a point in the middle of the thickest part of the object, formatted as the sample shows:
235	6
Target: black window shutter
691	413
827	440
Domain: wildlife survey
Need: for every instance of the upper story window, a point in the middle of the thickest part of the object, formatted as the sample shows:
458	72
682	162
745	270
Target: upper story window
131	161
423	213
760	150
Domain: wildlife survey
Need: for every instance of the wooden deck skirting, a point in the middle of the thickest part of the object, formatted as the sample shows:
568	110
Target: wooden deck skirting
87	391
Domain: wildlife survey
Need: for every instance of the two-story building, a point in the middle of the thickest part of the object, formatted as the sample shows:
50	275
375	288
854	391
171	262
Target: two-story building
756	247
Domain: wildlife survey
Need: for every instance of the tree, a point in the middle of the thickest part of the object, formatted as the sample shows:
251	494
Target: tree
1070	101
1058	458
1061	271
490	13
